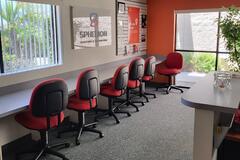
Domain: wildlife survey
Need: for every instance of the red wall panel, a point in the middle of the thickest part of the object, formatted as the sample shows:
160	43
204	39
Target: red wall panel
161	20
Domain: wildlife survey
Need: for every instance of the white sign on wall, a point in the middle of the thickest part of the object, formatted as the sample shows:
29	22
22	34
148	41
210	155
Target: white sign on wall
91	29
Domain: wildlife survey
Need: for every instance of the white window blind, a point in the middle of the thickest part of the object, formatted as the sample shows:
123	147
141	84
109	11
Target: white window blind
28	36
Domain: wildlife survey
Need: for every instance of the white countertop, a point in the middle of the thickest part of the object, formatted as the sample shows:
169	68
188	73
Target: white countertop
203	95
18	101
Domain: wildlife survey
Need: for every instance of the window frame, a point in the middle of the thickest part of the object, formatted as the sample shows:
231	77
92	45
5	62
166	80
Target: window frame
217	52
1	56
57	43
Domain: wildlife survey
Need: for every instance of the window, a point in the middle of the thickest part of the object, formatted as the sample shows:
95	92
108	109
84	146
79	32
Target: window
28	36
198	38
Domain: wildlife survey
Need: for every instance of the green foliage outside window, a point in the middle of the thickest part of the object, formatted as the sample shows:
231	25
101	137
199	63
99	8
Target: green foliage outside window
199	62
230	31
25	30
203	62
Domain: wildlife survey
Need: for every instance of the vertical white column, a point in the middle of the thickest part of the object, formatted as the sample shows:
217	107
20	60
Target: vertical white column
0	152
203	135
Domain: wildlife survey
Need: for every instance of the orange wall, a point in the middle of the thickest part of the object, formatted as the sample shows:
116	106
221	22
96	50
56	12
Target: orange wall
161	22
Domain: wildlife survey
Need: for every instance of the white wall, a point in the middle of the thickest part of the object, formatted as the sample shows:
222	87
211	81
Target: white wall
72	59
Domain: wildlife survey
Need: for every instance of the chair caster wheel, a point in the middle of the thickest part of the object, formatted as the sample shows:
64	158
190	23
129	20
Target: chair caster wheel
94	126
142	104
117	122
129	115
154	96
101	135
77	142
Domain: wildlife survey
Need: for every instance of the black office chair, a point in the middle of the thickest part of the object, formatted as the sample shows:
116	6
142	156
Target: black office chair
84	100
116	88
149	72
136	72
44	112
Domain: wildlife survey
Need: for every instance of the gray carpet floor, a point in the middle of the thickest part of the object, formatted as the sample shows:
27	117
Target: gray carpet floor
162	130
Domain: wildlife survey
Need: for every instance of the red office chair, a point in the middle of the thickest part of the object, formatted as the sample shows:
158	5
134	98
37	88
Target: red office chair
236	123
173	66
44	112
84	100
237	117
149	72
136	72
116	88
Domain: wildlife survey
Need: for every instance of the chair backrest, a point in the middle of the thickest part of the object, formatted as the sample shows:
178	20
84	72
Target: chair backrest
88	86
136	69
120	78
174	60
49	98
150	66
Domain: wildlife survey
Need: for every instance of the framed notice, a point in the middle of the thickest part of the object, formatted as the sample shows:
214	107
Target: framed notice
90	27
121	7
133	25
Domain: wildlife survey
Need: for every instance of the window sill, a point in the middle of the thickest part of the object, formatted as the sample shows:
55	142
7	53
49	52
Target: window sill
30	70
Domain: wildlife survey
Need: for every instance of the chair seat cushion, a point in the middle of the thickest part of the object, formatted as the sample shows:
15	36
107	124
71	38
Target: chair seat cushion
77	104
168	71
147	78
237	116
133	83
107	90
29	121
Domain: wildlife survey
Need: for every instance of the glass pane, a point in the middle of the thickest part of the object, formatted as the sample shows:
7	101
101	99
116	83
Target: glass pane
199	62
27	34
224	63
197	31
222	44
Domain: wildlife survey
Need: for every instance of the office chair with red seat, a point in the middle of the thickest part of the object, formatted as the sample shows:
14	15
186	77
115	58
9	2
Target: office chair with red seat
84	100
116	88
173	66
236	121
44	112
149	72
136	72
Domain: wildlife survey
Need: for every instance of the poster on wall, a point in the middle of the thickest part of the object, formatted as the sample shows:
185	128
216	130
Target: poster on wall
90	27
133	25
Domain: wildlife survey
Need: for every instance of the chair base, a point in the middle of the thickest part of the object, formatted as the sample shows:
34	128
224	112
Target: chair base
129	102
46	149
112	111
170	87
146	93
51	152
140	95
132	103
150	94
81	127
